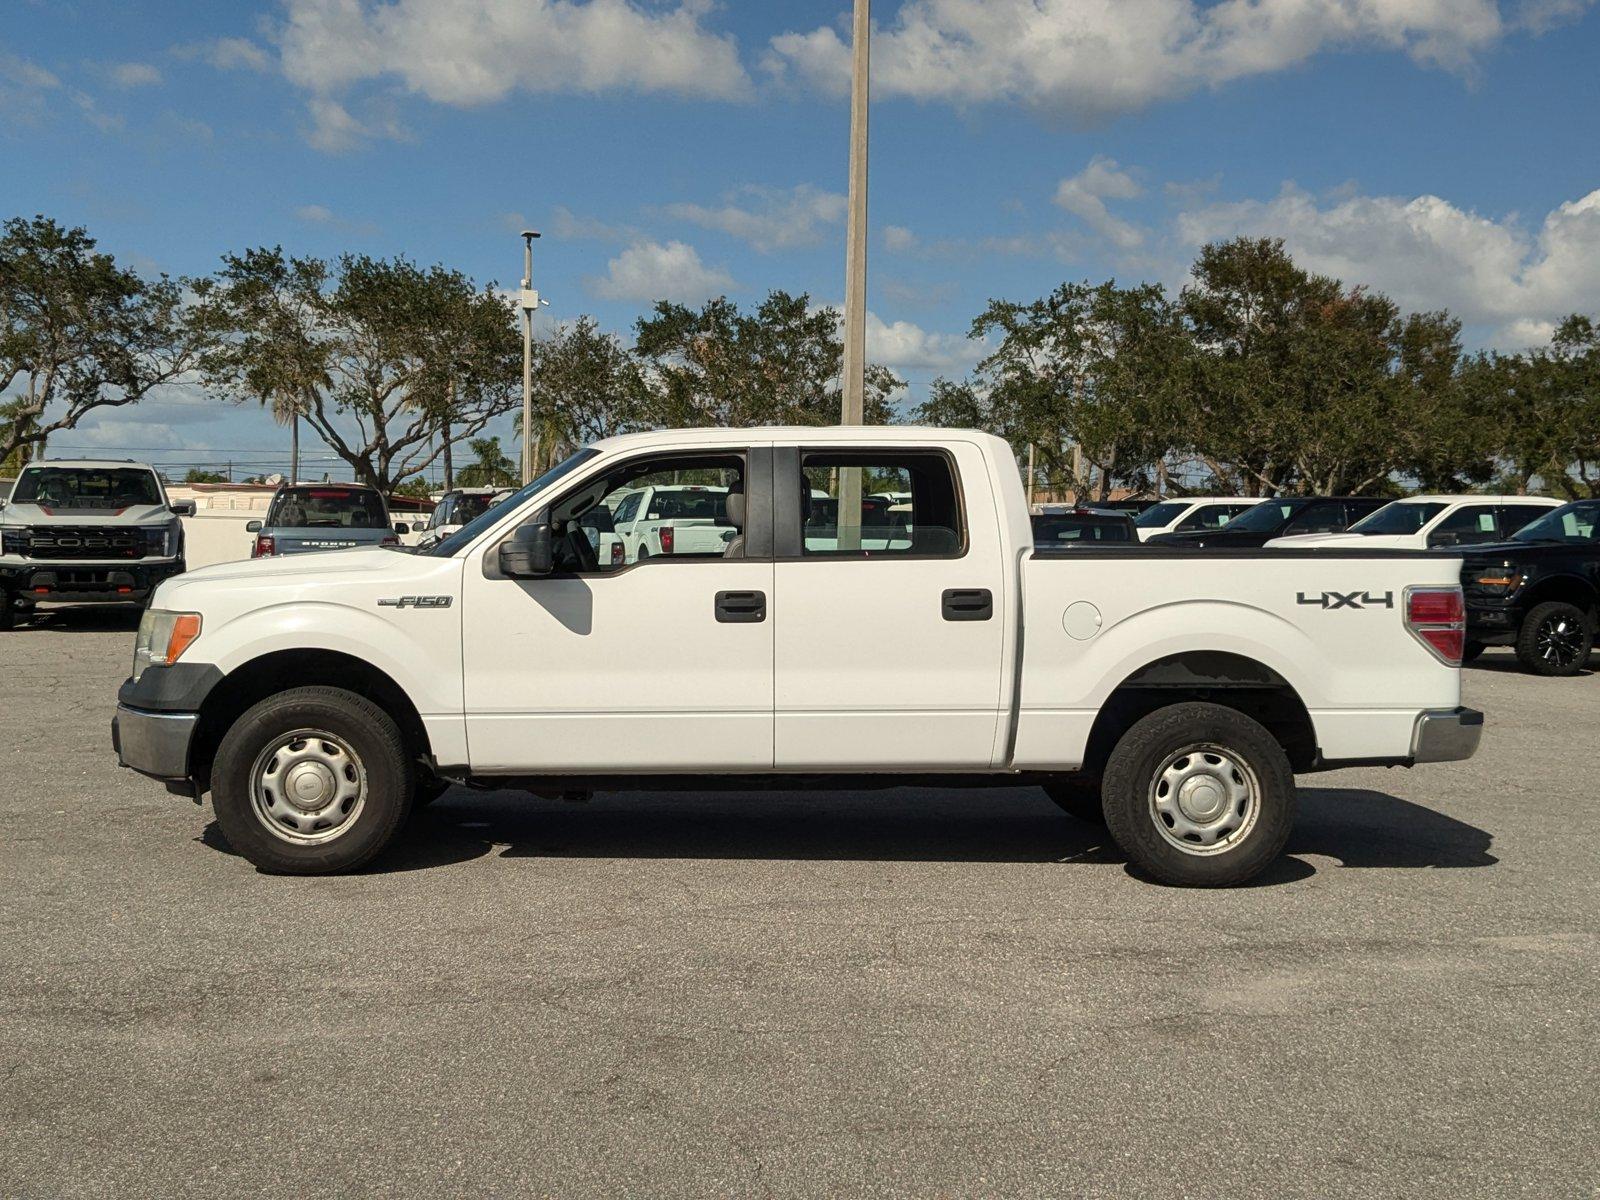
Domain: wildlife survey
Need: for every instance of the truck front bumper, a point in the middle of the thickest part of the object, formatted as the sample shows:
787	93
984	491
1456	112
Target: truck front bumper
120	583
1446	735
154	743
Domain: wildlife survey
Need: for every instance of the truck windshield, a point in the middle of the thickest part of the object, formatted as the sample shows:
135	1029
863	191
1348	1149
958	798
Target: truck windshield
448	546
327	507
108	489
1158	515
1264	517
1578	522
1403	516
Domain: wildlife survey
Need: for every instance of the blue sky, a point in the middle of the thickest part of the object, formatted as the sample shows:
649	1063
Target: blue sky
1444	151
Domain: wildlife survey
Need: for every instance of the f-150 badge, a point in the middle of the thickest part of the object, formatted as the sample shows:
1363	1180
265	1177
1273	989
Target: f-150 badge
1347	600
417	602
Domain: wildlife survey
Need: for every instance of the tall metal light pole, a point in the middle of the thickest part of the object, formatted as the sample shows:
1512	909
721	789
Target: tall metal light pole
853	404
529	301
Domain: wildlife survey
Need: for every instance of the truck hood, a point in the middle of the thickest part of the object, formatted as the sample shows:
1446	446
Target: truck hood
366	560
1373	541
33	514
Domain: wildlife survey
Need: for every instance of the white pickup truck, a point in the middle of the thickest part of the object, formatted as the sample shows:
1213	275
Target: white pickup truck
1170	693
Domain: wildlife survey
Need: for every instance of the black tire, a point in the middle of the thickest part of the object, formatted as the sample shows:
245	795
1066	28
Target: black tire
1471	651
1135	770
8	612
1555	639
370	734
1079	797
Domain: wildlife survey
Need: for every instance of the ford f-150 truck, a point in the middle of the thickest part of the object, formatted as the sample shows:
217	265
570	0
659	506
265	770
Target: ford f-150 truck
86	530
1171	693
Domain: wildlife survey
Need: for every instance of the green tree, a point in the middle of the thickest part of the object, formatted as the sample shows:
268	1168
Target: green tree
377	356
197	475
779	365
1546	406
586	386
1300	383
490	466
79	333
1094	367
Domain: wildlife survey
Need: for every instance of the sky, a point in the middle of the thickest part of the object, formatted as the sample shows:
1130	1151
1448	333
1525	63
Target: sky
1445	152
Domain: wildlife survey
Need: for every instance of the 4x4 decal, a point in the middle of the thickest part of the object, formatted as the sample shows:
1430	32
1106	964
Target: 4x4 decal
1347	600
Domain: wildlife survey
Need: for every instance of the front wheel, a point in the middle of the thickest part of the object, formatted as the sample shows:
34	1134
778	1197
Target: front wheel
1555	639
312	781
1199	795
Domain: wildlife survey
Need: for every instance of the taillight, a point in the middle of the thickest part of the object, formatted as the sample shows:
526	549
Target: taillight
666	539
618	554
1437	617
265	546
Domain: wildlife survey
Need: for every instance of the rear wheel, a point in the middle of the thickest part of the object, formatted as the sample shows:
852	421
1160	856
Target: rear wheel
312	781
1199	795
1079	797
1555	639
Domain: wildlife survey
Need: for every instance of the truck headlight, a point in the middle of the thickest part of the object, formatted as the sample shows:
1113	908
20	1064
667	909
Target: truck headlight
163	637
161	540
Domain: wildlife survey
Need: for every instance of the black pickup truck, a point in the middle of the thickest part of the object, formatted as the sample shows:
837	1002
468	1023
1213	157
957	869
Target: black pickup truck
1539	591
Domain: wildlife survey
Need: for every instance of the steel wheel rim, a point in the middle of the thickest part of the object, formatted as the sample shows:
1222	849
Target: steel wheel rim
1559	641
307	787
1204	799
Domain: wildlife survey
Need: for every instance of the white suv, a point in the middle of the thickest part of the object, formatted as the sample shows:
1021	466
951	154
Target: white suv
1431	523
1190	514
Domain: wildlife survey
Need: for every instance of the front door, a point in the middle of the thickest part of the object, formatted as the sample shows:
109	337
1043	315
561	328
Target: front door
613	664
890	631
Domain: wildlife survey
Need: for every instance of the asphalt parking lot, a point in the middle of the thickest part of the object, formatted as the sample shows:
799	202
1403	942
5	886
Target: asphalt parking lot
907	993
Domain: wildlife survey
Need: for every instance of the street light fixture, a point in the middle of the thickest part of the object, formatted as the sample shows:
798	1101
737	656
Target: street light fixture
529	303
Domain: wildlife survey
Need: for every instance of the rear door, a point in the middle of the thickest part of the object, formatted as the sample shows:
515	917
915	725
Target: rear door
889	635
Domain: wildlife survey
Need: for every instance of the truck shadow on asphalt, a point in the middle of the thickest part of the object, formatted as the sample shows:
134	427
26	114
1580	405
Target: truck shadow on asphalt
1353	826
108	618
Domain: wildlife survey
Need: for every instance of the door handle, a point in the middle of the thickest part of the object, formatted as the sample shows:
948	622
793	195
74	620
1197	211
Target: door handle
967	604
741	608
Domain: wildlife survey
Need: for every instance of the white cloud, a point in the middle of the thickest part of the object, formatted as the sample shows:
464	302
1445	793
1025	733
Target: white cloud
134	74
1089	59
321	214
648	271
469	52
772	218
22	84
226	54
1084	195
897	239
569	226
1427	253
1541	16
908	349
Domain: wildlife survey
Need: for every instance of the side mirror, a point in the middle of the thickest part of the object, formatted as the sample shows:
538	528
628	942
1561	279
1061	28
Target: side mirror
401	527
182	508
529	553
252	527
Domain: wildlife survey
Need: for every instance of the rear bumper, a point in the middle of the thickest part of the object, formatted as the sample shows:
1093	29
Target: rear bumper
154	743
1446	735
104	583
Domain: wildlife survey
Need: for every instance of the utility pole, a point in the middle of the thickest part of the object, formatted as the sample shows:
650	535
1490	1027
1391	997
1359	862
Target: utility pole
294	447
855	270
449	472
530	303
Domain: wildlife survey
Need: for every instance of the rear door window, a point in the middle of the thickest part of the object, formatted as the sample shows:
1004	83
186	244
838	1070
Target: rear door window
907	504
